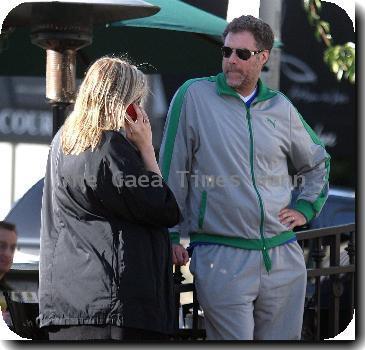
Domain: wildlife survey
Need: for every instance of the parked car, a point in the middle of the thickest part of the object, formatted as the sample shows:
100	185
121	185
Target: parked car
26	215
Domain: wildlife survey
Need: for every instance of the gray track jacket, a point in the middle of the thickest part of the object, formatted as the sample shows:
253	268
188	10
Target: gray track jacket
227	164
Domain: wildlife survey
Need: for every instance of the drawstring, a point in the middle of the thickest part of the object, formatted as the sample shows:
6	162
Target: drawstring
267	260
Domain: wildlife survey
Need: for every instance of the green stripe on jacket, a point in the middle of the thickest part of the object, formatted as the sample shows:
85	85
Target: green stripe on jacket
243	243
308	209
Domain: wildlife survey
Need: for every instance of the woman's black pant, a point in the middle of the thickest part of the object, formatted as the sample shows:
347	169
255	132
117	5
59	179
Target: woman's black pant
105	332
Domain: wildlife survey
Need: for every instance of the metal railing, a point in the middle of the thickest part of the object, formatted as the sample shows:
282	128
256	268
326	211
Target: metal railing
193	333
324	317
317	240
320	239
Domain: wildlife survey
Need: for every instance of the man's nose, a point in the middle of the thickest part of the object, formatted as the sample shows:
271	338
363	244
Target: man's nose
233	58
9	253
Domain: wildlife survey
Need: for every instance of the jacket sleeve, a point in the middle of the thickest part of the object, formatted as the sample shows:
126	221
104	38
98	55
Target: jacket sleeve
180	140
312	164
128	190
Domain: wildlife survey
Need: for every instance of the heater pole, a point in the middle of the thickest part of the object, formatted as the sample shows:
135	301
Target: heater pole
270	12
59	111
63	27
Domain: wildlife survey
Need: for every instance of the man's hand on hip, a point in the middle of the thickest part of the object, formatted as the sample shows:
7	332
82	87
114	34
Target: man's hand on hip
180	255
291	218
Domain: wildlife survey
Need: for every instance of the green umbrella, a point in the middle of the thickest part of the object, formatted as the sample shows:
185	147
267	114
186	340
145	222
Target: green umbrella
177	15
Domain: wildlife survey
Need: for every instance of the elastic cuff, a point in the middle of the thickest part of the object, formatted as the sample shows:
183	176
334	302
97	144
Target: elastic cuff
175	237
305	208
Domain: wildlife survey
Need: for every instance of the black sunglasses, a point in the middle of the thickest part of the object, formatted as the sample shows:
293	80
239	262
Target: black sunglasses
243	54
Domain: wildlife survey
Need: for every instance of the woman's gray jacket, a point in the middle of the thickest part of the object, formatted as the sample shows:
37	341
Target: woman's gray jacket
105	250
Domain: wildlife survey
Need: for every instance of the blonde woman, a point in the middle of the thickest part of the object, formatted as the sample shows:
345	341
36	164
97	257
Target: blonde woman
105	261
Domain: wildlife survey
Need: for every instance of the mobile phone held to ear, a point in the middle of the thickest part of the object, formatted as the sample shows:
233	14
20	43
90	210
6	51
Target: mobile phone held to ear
132	112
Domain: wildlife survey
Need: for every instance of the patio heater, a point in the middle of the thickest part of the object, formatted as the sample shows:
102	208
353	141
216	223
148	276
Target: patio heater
62	28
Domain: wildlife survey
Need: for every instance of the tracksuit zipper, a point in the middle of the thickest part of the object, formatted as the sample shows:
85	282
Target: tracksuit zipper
265	254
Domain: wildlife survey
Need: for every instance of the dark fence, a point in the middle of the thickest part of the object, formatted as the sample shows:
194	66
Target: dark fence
186	333
333	297
330	299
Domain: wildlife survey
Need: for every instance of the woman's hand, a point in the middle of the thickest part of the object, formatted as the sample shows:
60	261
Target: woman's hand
180	255
139	132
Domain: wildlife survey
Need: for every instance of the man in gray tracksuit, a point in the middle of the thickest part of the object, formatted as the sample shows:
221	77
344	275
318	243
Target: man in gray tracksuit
227	143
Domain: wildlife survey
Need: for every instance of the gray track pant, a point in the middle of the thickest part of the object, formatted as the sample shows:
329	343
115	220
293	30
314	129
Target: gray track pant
241	301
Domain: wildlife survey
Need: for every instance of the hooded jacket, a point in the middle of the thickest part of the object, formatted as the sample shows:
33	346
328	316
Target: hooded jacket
105	254
228	164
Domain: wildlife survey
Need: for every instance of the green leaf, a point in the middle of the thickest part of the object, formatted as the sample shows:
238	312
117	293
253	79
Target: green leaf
335	66
352	78
325	26
339	58
339	74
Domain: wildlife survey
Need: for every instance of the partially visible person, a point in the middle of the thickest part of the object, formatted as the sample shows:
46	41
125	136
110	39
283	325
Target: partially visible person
8	241
105	257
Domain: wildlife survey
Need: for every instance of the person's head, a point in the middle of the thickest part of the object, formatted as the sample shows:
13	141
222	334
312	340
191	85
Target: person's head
242	68
8	240
111	84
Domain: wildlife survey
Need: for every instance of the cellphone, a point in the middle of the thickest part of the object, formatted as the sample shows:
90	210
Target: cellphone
132	112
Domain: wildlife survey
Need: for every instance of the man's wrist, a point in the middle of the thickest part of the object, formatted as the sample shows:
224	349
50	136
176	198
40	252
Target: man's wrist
305	208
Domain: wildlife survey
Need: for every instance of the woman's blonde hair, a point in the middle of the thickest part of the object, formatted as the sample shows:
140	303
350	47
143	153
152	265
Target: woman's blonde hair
110	86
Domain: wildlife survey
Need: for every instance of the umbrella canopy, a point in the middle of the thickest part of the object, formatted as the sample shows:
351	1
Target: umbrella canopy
182	39
177	15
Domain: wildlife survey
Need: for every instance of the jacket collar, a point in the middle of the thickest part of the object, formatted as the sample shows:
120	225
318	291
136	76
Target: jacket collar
264	93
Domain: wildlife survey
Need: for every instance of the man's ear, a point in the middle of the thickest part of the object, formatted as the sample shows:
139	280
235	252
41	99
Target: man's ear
265	56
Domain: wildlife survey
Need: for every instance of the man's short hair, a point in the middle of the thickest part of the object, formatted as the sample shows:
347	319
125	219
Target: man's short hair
260	30
7	226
